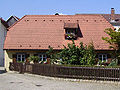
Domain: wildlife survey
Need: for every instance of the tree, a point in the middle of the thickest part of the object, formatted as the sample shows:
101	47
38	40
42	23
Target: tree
114	41
78	55
52	55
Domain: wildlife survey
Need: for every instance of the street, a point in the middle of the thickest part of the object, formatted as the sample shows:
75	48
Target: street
15	81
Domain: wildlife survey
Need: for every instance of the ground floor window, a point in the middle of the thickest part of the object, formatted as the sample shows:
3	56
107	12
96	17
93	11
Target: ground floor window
21	57
102	57
42	57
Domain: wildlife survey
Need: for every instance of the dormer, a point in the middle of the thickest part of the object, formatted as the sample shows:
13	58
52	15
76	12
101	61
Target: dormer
71	30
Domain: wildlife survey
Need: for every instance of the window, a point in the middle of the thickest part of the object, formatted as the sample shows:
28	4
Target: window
102	57
21	57
69	31
42	57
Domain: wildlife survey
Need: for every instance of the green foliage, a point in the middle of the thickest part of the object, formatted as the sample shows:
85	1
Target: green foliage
114	41
20	61
78	55
52	55
34	58
113	63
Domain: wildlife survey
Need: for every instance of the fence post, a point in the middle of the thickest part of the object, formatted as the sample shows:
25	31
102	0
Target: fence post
21	71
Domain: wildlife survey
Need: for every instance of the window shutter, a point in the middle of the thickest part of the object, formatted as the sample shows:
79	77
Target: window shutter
27	55
96	56
35	54
14	56
108	56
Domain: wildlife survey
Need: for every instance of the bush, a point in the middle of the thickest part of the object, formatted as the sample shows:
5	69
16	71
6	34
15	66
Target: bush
35	59
113	63
78	55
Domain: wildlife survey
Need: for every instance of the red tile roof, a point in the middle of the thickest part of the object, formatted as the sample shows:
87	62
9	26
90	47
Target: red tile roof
70	25
40	31
108	17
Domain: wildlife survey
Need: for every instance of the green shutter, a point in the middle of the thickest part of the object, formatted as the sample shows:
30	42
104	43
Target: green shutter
27	55
14	56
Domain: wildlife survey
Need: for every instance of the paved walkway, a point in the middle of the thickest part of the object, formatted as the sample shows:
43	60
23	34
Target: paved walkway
2	70
14	81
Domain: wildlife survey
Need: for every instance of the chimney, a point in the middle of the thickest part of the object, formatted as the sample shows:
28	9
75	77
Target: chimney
112	14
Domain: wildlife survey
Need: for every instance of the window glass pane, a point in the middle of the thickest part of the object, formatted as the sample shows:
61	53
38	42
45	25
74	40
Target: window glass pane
19	59
100	58
44	59
40	59
40	56
71	31
44	55
19	55
23	55
23	59
100	55
68	31
104	55
104	58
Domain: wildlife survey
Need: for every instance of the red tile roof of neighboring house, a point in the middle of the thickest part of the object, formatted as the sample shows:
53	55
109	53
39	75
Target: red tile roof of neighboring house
42	31
108	18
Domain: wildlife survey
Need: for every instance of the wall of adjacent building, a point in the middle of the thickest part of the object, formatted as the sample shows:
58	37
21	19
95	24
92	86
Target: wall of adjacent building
116	27
3	32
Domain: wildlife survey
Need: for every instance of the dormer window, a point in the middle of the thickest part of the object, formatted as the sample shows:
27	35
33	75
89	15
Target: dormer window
71	30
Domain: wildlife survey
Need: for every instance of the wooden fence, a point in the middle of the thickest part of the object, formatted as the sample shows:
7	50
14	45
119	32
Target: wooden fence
95	73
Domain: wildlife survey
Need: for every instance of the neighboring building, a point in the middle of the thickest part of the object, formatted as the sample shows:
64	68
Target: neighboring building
3	31
12	20
33	34
113	18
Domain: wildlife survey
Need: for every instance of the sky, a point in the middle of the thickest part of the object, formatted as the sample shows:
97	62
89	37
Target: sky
20	8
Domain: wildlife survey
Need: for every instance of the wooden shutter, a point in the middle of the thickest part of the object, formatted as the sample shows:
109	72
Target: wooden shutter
108	56
27	55
14	57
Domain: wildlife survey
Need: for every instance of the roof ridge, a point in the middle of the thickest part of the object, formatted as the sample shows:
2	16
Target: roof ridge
64	15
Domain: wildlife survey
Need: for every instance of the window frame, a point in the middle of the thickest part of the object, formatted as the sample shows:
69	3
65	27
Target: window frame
71	31
42	58
106	57
22	56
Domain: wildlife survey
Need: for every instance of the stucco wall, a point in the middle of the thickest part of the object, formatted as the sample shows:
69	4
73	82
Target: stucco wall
9	58
3	32
117	27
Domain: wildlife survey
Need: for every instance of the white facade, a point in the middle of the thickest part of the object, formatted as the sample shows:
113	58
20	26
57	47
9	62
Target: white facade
116	28
3	32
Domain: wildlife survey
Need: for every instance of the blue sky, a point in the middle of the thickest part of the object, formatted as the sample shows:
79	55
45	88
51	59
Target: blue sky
49	7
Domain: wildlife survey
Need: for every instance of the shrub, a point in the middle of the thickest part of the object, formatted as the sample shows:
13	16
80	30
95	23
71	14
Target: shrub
35	59
78	55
